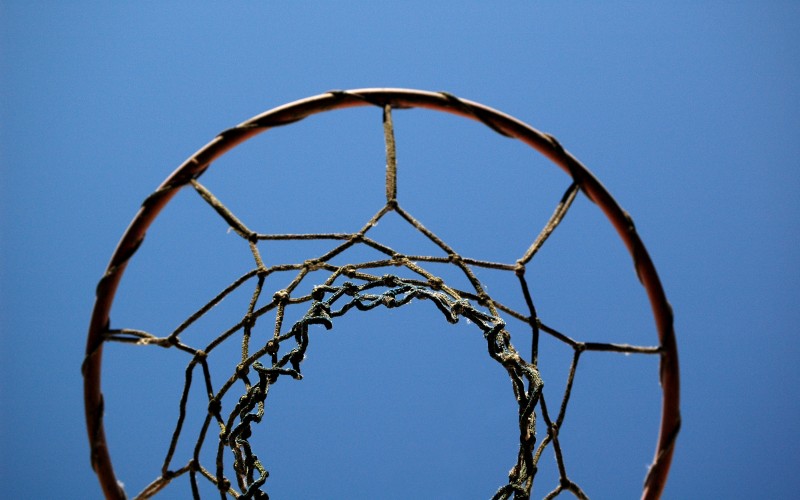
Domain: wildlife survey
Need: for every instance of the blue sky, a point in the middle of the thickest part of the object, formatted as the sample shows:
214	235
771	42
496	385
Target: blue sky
687	112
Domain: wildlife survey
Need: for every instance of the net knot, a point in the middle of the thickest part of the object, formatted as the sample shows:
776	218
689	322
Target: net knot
458	307
318	293
390	280
242	370
281	296
455	259
214	406
399	260
435	283
169	474
272	347
349	288
313	264
248	321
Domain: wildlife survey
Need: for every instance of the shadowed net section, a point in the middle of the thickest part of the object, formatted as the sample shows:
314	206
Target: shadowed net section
393	280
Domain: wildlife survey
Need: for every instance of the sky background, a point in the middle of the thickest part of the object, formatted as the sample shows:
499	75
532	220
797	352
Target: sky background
688	113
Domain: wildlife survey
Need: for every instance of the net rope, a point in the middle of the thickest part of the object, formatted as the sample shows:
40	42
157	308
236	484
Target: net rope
352	287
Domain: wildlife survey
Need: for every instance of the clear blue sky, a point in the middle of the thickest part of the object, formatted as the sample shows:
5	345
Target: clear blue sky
689	113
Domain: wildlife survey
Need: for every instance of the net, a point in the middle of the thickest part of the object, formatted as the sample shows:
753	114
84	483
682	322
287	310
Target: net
392	280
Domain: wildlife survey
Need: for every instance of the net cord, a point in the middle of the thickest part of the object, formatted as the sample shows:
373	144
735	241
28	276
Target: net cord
504	124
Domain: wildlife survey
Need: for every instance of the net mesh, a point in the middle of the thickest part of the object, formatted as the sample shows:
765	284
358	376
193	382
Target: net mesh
393	280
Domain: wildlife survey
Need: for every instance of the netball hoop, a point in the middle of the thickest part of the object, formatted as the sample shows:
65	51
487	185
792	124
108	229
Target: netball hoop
391	280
